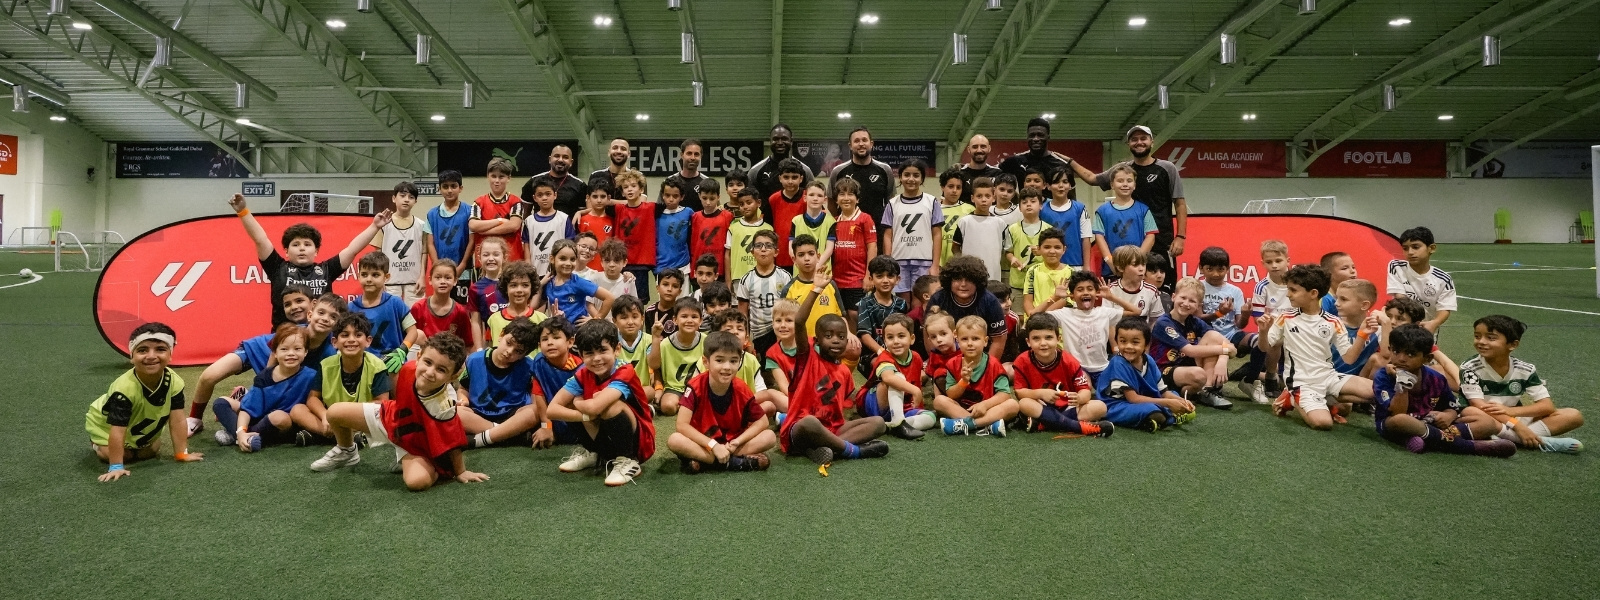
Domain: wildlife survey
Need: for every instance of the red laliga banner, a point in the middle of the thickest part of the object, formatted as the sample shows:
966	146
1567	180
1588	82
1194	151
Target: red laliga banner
8	155
1089	152
1382	158
1227	158
202	277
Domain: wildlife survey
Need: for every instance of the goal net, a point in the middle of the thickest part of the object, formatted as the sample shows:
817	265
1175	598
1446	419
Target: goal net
1315	205
327	203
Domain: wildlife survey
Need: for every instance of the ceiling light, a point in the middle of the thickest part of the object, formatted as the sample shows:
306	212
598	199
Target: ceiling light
242	121
364	6
870	19
1491	51
1248	116
1390	99
1228	49
1399	22
686	48
958	49
1048	116
241	95
844	115
641	117
1163	97
82	25
602	21
437	118
699	90
1137	22
1447	117
993	5
933	95
1308	7
57	118
335	24
467	95
674	4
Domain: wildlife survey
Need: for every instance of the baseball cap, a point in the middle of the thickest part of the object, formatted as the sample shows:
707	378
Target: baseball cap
1137	128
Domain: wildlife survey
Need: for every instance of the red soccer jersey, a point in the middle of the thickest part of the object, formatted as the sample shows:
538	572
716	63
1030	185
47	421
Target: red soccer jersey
992	378
820	391
850	239
783	212
709	233
936	364
485	208
457	320
1063	375
602	226
778	359
912	371
428	430
636	227
726	423
637	403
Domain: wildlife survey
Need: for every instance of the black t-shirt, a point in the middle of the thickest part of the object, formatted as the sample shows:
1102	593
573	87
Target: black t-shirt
317	276
606	173
764	175
691	198
877	185
570	192
985	305
967	175
1018	164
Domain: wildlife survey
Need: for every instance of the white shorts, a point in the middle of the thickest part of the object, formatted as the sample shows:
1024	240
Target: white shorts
377	435
407	292
1314	395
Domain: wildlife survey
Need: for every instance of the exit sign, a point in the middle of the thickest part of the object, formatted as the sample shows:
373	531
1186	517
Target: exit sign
259	188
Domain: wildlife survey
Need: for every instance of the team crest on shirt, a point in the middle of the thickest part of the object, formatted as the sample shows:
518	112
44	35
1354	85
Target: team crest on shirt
316	270
1515	387
1150	178
874	178
1322	329
1172	331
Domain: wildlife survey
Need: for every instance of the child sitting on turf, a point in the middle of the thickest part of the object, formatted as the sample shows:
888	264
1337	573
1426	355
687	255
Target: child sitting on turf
1014	344
485	297
1122	221
676	358
604	404
554	365
760	288
1511	391
733	321
254	355
805	273
893	390
516	284
975	397
392	325
297	263
420	421
874	310
439	312
1414	407
815	426
669	284
613	258
1129	263
1270	300
275	402
1304	336
566	293
716	297
1192	356
1051	387
1132	386
939	337
125	423
633	344
720	425
495	391
1340	268
1418	278
1040	281
1405	310
1353	305
1223	309
1088	327
778	362
352	375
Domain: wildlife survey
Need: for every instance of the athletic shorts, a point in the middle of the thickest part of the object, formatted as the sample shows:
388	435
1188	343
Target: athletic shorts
407	292
869	407
255	354
851	297
1167	378
1316	395
909	273
1049	410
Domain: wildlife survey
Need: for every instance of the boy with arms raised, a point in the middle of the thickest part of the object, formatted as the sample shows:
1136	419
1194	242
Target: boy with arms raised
1088	326
760	289
545	226
1413	405
975	397
404	241
420	421
815	426
1041	279
980	233
495	388
1051	387
392	324
447	235
1304	335
604	405
125	423
1135	394
1192	356
1418	278
739	255
499	213
720	425
297	266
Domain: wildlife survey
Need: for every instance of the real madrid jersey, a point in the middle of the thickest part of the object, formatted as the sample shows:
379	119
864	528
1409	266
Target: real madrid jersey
1433	289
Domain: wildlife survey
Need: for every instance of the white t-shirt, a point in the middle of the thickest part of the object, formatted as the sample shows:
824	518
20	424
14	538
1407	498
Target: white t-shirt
912	223
1010	215
1147	299
1086	334
1271	299
762	293
542	233
1306	339
619	287
404	247
1433	289
982	236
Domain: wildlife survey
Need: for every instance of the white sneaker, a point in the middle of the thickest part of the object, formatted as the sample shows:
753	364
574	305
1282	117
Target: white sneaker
335	458
195	426
396	469
1258	393
579	460
623	470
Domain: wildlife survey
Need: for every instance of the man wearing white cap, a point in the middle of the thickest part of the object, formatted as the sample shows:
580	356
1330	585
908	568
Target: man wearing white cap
1159	187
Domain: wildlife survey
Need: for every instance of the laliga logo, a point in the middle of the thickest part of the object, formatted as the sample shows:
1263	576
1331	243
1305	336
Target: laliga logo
162	284
6	155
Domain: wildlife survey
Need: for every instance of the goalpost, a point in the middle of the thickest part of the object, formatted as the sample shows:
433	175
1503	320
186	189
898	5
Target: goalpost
315	202
1314	205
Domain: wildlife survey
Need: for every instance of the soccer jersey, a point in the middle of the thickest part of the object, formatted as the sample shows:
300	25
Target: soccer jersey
1078	223
983	236
1063	374
1086	333
1227	324
819	229
1270	299
1146	298
870	314
548	377
740	235
256	352
989	379
672	238
851	235
762	293
636	355
819	390
952	218
653	313
1368	348
1121	376
603	226
1306	340
1433	289
334	385
390	318
1431	393
779	358
1019	240
827	302
450	233
457	319
128	403
1520	386
1011	214
495	391
750	373
1172	335
636	227
910	222
781	211
542	232
619	287
1040	281
486	298
403	244
938	364
884	363
680	363
282	273
571	297
585	384
1123	225
496	324
267	394
487	208
426	426
709	234
721	417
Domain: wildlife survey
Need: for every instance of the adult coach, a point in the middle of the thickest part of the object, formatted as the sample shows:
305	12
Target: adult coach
874	176
1160	188
570	191
689	176
618	153
964	292
764	174
977	165
1038	157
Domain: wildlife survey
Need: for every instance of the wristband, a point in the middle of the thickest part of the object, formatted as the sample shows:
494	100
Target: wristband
1435	349
1363	334
243	212
711	445
115	467
1219	314
545	425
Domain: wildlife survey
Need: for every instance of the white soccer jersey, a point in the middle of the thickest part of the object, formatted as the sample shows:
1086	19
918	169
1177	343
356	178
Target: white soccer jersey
912	222
982	236
1306	339
1433	289
762	293
1520	386
1010	215
542	234
619	287
1147	299
1085	334
405	250
1270	299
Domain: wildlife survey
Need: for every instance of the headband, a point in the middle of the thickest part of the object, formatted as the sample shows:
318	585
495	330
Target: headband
151	335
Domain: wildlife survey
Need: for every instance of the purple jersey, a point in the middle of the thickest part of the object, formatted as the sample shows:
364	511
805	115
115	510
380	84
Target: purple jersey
1432	393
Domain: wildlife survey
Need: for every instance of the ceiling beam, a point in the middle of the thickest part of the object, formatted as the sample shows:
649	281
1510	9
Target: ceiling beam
1208	50
1027	19
305	31
153	25
533	28
776	87
1533	135
440	45
396	167
1563	93
1078	37
35	87
948	53
121	62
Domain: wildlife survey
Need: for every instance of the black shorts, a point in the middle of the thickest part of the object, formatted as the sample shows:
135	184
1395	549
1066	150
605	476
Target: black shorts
763	342
1166	377
851	298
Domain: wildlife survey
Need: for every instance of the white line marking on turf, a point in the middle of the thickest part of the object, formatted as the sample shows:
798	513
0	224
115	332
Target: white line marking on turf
1468	262
1565	310
36	278
1502	270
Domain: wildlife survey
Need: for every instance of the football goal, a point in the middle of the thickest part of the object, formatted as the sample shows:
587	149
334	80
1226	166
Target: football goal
313	202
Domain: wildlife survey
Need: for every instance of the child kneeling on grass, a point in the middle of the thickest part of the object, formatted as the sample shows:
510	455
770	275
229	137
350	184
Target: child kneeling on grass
276	401
1414	407
610	404
1132	386
720	425
126	422
815	426
420	420
1052	388
975	397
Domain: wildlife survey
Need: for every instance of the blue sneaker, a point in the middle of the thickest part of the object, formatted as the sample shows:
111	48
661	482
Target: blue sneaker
779	417
995	429
255	441
954	426
1560	444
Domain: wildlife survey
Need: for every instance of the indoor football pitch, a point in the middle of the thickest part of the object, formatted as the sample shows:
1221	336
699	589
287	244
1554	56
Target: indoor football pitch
1237	504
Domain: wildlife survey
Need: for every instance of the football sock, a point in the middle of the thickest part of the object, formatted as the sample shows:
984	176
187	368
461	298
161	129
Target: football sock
1054	420
851	451
897	407
1456	441
480	440
923	420
226	416
197	410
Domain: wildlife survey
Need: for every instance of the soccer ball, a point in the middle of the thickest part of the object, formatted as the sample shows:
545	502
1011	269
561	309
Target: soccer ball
26	272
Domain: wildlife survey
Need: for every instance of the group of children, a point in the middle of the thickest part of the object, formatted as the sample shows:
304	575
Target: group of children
518	324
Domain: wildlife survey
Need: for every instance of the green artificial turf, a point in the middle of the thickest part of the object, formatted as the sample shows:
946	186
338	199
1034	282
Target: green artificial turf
1237	504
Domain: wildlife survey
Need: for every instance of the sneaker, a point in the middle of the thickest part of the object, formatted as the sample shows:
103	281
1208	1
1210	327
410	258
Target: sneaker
223	437
1274	386
690	466
1258	393
905	431
1099	429
196	426
304	438
954	426
254	440
1155	423
335	458
579	460
996	429
874	449
623	470
749	462
1497	448
1210	397
1183	418
1243	374
1363	408
821	455
1416	445
1561	444
1337	412
1284	404
779	418
238	392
